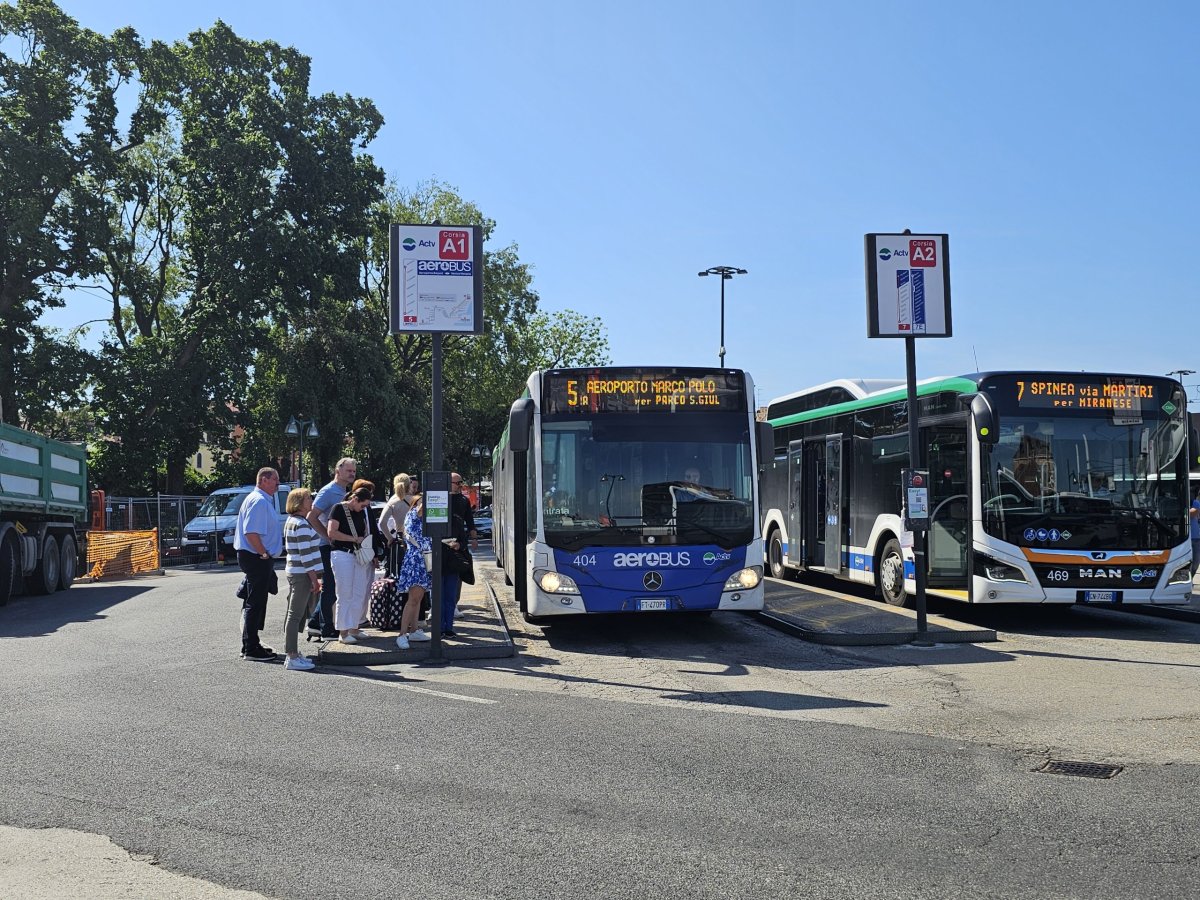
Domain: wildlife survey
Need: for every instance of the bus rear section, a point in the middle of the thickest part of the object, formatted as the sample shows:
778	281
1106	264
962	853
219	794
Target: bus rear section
636	493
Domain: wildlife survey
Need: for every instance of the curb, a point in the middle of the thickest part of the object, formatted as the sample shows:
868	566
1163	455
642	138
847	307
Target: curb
332	653
876	639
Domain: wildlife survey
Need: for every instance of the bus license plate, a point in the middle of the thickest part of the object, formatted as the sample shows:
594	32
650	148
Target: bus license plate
650	604
1101	596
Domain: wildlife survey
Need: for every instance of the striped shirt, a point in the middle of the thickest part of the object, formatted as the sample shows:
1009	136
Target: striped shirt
303	547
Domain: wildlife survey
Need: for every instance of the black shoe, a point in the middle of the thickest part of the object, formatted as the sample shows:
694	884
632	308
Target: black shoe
448	632
270	650
262	654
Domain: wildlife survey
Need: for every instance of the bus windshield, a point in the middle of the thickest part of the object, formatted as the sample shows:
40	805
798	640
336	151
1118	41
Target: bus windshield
1087	482
624	480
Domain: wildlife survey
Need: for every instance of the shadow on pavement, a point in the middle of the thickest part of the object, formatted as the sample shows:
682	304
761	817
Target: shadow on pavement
35	616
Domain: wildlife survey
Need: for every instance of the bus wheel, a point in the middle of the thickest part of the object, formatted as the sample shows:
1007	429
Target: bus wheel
68	561
44	579
890	581
775	555
10	566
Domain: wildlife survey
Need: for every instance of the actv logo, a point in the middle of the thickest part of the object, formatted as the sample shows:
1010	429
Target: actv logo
663	558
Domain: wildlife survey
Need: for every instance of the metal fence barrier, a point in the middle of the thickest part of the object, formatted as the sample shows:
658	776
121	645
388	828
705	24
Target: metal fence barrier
166	512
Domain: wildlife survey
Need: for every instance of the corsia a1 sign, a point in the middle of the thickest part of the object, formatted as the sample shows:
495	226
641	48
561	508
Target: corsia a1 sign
908	285
436	279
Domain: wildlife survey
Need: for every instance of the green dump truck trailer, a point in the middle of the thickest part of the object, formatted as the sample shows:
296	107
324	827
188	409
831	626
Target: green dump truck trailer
43	512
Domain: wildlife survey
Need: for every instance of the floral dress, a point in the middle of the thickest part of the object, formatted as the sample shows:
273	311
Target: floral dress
412	570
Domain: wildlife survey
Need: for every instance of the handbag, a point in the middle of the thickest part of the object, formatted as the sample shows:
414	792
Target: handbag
364	553
463	566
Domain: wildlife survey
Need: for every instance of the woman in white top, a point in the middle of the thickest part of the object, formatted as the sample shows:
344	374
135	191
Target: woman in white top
303	572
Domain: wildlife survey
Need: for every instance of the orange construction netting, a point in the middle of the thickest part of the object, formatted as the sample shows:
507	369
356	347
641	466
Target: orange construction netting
122	552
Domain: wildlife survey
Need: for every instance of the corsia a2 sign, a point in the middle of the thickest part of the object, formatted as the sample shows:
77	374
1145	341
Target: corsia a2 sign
436	279
908	285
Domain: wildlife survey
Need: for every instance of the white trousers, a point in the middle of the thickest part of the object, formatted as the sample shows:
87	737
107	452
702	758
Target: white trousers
353	583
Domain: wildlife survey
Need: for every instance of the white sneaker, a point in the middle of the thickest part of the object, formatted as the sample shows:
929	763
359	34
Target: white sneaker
348	639
419	635
298	663
402	642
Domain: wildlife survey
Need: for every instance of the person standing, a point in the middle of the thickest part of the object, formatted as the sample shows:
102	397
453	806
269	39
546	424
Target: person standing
349	527
391	521
414	577
321	624
460	505
258	539
452	582
302	570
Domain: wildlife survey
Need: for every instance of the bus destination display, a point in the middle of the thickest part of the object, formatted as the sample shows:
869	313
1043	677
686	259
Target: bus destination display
636	390
1056	392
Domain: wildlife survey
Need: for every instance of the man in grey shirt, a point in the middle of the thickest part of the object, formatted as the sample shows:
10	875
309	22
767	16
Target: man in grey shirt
318	517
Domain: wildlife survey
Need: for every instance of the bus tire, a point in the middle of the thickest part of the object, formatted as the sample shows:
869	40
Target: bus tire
775	555
68	562
889	580
10	567
44	579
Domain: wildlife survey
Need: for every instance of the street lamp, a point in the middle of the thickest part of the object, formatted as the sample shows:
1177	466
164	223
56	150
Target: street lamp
301	428
726	273
1182	372
479	453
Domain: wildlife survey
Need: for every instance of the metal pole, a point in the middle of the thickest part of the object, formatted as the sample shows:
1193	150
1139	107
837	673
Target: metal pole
723	278
435	577
915	460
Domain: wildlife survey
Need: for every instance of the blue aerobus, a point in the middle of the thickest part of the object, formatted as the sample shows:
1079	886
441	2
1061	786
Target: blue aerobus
1044	487
630	490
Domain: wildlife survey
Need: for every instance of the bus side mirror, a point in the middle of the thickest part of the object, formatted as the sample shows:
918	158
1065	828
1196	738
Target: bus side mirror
766	443
987	426
1193	446
520	421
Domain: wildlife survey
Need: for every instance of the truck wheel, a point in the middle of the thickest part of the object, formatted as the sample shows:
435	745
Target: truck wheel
890	580
775	555
44	579
68	562
9	567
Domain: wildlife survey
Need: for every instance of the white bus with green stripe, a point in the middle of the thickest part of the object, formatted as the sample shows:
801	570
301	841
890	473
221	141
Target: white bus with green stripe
1044	487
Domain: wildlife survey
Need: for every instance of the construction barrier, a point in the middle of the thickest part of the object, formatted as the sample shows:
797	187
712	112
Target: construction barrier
115	553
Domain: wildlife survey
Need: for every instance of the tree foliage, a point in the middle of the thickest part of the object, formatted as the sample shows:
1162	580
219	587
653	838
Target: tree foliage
240	230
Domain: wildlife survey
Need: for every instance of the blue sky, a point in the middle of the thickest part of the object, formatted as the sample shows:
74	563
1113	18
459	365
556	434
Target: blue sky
625	146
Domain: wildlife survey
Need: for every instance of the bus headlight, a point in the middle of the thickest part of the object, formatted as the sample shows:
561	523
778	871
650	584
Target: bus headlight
555	582
994	570
1182	575
744	579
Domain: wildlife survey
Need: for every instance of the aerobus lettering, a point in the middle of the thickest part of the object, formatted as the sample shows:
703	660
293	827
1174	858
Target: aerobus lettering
663	559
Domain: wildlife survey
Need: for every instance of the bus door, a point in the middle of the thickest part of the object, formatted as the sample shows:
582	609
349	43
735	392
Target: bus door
949	504
795	504
835	522
812	503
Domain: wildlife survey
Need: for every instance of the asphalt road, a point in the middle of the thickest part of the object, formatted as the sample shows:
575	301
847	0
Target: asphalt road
626	758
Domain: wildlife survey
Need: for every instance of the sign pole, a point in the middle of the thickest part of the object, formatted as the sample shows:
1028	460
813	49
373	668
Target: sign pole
916	462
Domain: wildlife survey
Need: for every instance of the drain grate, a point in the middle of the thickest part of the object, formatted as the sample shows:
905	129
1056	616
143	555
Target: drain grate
1078	769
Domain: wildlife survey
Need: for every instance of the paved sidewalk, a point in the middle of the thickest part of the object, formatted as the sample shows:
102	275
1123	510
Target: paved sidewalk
479	633
827	617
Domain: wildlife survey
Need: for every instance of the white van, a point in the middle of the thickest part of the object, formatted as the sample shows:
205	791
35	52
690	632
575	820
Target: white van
218	516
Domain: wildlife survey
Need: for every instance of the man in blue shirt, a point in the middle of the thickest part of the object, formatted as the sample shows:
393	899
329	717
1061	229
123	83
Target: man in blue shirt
258	539
318	517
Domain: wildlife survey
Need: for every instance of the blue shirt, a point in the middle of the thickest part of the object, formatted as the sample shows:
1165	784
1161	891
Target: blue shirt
1195	522
258	515
327	498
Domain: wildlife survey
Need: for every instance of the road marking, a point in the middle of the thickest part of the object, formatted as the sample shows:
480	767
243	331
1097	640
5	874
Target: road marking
421	690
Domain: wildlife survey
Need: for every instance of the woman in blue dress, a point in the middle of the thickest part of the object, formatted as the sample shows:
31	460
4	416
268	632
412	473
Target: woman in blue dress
413	576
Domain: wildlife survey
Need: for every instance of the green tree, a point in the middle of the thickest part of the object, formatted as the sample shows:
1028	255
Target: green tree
242	219
60	145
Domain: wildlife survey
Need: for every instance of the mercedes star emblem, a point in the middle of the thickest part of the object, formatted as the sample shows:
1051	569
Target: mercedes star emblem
652	581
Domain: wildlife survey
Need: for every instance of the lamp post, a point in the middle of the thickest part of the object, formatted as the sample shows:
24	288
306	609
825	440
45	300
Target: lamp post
726	273
1182	372
479	453
301	428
